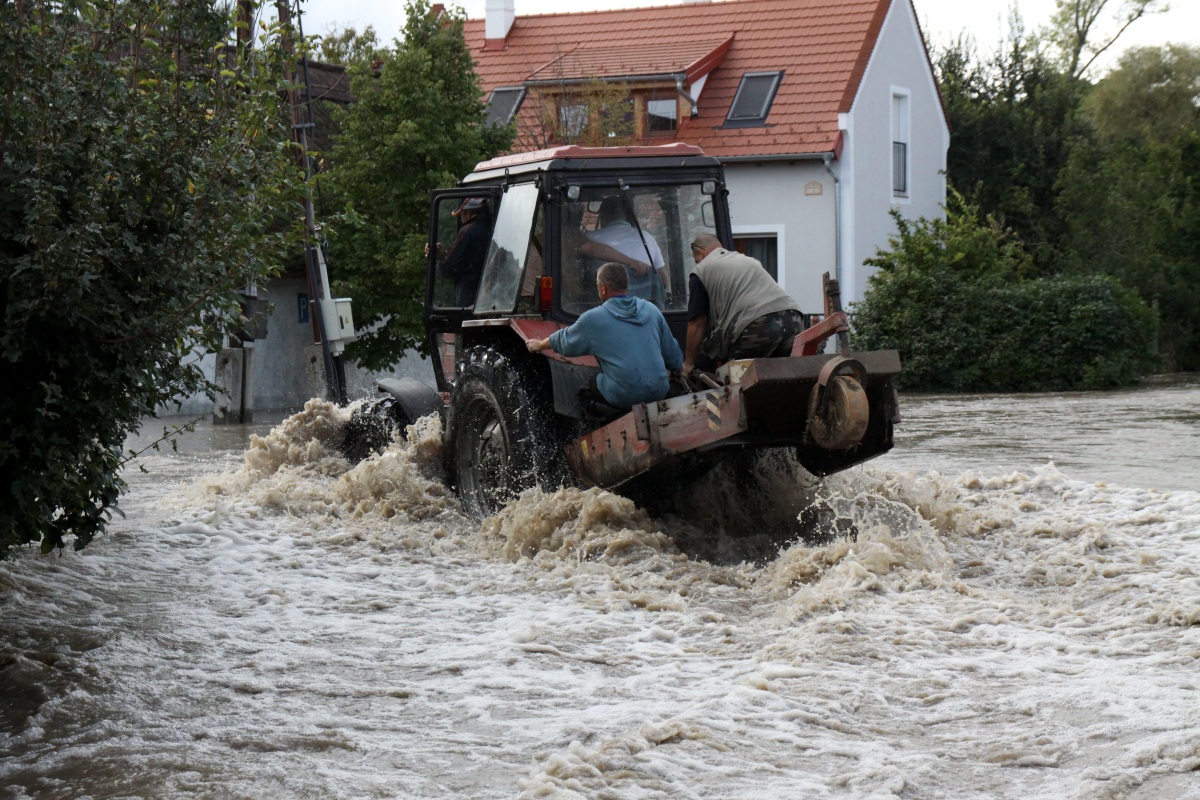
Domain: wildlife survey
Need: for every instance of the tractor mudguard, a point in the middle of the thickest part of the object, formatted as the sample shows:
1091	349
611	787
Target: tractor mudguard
415	398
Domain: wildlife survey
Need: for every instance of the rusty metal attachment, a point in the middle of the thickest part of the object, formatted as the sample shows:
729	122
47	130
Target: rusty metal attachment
838	408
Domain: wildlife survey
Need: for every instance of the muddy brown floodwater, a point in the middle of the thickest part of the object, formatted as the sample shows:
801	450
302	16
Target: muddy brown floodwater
1017	615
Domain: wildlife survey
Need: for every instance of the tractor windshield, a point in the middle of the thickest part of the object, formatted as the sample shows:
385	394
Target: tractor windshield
647	227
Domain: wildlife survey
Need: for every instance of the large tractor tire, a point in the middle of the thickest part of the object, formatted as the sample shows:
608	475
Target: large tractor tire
373	425
502	437
371	428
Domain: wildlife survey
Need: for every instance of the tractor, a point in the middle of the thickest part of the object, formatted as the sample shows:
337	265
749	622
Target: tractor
512	419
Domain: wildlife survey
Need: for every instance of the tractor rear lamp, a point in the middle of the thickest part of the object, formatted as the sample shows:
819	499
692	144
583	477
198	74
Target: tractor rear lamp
545	293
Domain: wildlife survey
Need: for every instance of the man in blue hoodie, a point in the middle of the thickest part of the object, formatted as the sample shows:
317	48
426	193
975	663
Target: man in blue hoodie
628	336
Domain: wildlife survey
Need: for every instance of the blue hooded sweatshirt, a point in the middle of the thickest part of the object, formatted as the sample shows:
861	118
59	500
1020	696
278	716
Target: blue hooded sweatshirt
635	348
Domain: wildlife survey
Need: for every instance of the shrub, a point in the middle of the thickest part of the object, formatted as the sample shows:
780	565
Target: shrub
951	296
144	174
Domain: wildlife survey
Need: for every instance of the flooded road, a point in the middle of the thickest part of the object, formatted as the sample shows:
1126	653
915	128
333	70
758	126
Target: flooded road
1019	617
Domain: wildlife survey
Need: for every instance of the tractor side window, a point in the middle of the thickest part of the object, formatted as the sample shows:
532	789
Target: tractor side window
535	265
681	213
505	266
461	241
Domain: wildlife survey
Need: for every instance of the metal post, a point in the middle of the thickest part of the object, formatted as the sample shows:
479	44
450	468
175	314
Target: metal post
318	276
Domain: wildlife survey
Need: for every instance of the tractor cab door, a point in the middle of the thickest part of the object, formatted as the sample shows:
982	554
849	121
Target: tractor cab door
460	229
514	257
455	255
490	270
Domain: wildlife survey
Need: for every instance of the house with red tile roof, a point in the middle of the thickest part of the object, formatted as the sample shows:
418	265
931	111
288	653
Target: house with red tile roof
825	113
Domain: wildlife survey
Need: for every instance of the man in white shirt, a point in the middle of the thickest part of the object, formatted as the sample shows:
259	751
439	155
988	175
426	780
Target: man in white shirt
617	231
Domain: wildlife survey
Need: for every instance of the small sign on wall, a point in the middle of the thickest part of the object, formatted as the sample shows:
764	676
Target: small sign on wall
814	189
302	307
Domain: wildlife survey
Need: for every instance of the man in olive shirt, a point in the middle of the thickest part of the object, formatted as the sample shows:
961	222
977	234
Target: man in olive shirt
744	312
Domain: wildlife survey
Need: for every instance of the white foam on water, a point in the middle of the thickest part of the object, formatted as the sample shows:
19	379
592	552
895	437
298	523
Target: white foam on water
291	626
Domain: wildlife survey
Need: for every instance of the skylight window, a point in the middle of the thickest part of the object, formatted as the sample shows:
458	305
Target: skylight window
503	104
753	100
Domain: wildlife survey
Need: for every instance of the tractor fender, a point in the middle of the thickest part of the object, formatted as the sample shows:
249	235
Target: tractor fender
416	399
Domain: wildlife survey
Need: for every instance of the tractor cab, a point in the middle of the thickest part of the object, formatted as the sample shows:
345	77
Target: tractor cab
556	216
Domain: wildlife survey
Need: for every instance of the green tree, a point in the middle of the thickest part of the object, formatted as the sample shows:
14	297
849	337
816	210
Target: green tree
1015	116
1014	122
144	177
1151	96
417	122
1079	31
1132	198
952	295
347	46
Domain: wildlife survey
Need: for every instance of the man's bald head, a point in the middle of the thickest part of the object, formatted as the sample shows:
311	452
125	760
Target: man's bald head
703	244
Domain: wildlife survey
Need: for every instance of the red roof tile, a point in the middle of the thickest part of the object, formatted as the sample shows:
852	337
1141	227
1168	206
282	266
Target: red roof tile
822	47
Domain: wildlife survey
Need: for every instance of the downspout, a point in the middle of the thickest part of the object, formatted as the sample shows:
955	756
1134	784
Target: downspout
679	90
837	217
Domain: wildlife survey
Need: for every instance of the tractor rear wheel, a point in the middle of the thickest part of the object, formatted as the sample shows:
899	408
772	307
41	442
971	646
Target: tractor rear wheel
502	434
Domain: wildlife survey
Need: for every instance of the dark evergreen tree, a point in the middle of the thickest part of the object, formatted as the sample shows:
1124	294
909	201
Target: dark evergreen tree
1013	123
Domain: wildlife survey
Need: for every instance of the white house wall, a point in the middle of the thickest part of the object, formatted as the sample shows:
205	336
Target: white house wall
781	198
898	65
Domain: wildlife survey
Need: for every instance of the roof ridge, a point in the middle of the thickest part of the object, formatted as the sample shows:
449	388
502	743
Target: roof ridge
796	5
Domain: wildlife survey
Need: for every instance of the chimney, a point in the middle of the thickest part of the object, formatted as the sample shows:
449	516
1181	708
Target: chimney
498	21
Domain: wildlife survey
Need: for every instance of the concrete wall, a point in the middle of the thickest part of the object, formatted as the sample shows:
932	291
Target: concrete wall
288	369
794	200
899	65
278	380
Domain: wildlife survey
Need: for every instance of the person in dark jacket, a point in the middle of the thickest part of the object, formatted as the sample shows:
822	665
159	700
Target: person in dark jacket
627	335
463	261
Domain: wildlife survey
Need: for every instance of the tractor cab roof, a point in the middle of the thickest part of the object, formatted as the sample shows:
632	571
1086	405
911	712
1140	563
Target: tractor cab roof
575	158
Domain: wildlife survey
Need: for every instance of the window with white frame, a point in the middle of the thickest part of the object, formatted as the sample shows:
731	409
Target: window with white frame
901	157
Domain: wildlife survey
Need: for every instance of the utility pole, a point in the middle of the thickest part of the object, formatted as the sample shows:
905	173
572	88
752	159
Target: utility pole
235	363
333	316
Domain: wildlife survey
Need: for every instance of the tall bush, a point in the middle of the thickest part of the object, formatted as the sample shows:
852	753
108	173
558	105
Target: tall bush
955	298
144	177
